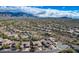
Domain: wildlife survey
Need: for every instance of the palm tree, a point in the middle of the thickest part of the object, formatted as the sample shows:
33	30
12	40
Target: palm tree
32	49
20	43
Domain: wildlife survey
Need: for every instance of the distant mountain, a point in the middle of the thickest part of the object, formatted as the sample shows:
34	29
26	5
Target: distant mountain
17	14
24	11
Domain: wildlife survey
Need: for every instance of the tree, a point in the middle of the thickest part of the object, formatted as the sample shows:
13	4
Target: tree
5	46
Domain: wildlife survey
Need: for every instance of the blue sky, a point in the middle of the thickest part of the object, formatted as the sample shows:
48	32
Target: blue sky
45	11
59	11
59	7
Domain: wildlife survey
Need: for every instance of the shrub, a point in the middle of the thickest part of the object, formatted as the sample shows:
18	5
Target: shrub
70	50
5	46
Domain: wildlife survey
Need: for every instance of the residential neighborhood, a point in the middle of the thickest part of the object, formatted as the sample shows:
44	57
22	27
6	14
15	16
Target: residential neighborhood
38	36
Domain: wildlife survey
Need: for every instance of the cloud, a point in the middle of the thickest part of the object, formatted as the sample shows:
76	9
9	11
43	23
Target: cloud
39	12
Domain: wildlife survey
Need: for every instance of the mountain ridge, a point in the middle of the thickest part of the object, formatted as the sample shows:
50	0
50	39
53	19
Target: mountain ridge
37	12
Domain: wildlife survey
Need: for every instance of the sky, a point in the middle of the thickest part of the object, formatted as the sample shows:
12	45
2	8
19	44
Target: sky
59	7
46	8
45	11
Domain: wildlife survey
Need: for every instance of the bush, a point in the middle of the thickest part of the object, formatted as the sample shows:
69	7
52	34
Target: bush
3	36
12	38
5	46
17	46
76	42
25	39
67	51
34	39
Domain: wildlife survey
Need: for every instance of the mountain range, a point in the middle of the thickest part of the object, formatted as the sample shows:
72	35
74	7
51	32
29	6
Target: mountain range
30	11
